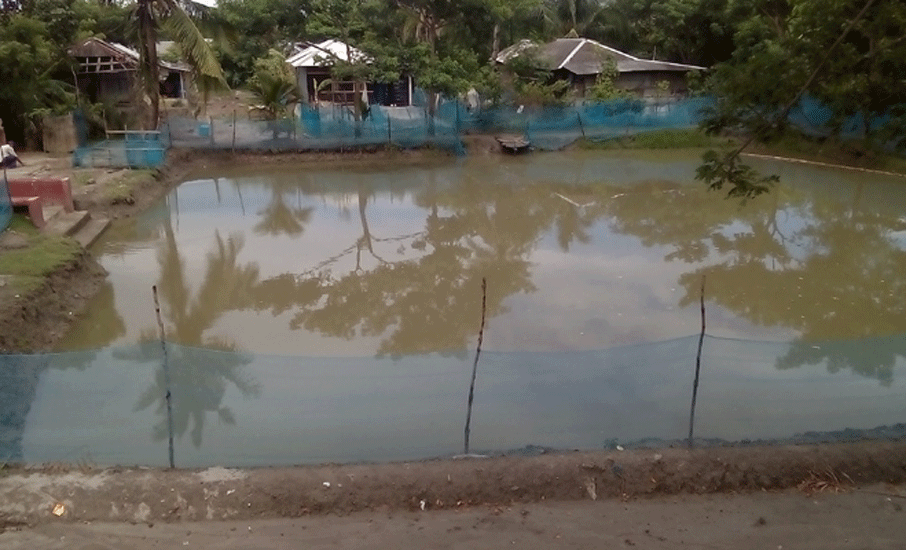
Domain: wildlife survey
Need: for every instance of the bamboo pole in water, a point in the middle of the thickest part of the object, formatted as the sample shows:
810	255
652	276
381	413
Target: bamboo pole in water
698	366
163	347
484	301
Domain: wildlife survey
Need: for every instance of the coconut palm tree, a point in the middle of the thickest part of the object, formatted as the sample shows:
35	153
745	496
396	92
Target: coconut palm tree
175	18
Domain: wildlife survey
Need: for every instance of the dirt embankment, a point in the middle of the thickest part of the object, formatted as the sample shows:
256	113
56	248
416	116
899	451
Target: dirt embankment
36	320
153	495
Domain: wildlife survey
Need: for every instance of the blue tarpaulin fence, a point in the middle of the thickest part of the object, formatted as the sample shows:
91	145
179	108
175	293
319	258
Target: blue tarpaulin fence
6	207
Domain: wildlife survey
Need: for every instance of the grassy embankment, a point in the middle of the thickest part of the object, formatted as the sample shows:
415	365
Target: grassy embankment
24	269
790	146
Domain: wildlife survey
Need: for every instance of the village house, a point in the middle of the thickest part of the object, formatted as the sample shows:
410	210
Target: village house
108	71
581	60
313	63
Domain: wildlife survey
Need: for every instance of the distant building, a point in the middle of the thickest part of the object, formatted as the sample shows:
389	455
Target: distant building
313	63
108	71
581	60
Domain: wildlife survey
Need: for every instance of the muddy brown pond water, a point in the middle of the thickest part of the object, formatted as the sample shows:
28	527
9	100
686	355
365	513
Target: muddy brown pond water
326	314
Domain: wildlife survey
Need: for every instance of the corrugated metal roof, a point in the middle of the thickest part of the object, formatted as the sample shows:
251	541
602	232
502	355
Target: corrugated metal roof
583	56
95	47
321	55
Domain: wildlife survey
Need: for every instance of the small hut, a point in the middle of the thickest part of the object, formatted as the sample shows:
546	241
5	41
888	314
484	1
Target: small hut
108	71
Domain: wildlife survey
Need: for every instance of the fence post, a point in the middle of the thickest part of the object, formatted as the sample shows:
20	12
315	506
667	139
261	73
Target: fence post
581	127
211	127
389	135
233	148
456	106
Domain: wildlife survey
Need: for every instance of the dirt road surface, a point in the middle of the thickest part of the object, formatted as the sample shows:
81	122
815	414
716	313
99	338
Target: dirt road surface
866	517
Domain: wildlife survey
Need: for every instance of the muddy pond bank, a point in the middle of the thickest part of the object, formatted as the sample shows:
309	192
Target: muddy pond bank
143	495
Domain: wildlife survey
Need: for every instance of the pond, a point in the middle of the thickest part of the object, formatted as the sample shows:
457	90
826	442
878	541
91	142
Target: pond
322	312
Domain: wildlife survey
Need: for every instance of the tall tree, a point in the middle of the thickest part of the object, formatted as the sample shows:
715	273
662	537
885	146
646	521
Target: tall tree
849	54
175	17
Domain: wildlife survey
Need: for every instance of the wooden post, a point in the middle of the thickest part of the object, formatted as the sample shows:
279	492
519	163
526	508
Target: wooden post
211	128
166	366
233	148
581	127
484	301
389	136
698	366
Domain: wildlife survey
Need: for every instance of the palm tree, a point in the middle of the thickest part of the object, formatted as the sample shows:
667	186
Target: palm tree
573	17
175	17
274	97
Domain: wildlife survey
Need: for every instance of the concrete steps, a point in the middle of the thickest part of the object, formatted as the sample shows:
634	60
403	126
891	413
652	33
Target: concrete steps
92	231
67	223
78	225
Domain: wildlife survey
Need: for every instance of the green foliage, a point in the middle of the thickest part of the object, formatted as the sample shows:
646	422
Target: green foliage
532	81
840	52
148	19
273	94
274	66
263	25
717	170
659	139
29	62
28	266
604	88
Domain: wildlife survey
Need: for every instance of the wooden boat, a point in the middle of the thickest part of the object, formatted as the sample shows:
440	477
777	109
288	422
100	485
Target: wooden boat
514	145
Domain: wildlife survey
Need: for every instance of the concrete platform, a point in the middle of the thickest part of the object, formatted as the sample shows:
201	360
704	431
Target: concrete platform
92	231
67	223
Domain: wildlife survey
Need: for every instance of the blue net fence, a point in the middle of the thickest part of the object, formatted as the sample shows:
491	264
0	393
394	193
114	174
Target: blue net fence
125	149
335	127
6	206
230	408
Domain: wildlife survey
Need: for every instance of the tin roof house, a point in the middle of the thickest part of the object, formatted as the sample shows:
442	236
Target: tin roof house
108	71
581	60
312	64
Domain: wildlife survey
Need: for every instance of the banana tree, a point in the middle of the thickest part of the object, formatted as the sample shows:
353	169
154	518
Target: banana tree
176	18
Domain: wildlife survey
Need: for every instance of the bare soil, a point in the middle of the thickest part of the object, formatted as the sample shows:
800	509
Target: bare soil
35	321
148	496
858	518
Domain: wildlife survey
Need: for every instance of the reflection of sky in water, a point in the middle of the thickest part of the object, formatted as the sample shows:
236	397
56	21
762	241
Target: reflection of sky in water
349	409
818	267
614	288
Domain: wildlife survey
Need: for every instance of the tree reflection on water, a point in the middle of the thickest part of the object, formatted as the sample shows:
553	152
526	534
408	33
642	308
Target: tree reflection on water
819	264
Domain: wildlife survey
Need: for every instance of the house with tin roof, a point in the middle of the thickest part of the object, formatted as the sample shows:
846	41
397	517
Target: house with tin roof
109	71
581	60
313	64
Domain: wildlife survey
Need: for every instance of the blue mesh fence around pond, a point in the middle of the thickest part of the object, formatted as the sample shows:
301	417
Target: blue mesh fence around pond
243	409
126	149
336	127
332	127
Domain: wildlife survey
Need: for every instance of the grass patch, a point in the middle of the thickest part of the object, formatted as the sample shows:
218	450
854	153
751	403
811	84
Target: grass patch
691	138
122	188
25	268
80	179
849	153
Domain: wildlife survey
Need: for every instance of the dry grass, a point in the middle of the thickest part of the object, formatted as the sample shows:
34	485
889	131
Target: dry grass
825	481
